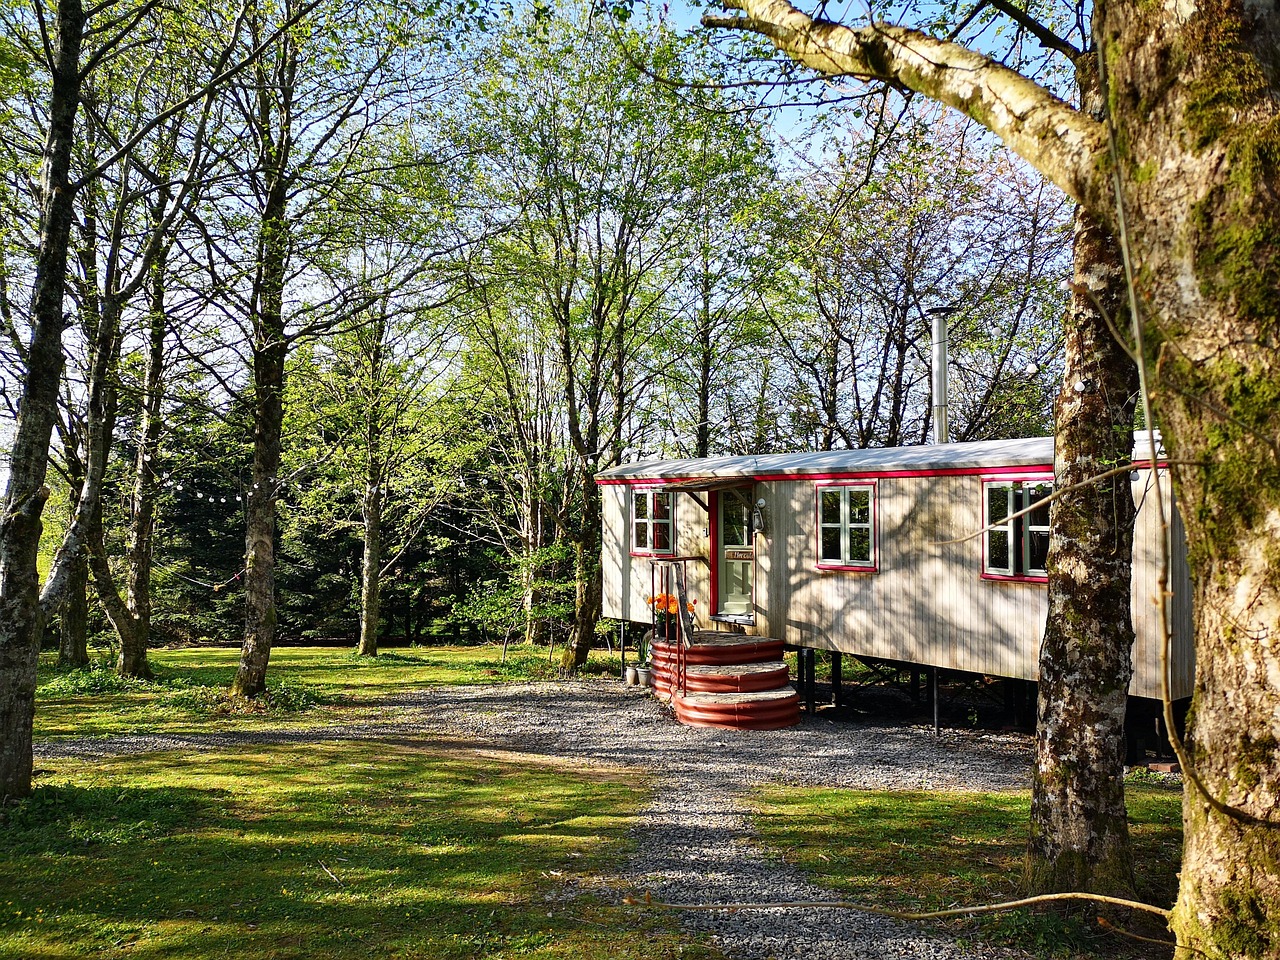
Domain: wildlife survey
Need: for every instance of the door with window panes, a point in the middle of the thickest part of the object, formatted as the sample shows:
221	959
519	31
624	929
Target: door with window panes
736	556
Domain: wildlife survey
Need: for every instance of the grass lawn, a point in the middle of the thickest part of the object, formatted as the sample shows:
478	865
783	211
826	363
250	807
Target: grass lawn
357	849
308	685
335	850
919	851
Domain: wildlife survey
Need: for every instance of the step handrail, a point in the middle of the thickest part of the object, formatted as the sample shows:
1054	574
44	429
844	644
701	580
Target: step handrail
674	569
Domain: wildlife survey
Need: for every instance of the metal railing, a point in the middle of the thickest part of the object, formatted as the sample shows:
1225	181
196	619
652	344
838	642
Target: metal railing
669	577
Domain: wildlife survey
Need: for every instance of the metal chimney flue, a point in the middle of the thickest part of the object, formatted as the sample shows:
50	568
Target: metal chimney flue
941	428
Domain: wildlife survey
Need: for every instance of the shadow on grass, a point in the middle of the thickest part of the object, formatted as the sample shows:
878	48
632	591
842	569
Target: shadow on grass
917	851
334	849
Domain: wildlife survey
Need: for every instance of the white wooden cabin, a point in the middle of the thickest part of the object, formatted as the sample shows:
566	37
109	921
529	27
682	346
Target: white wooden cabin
876	553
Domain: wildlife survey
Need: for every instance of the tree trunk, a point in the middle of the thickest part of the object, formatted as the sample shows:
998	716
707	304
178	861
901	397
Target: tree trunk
371	566
274	102
590	581
73	618
533	539
100	422
260	523
270	349
26	493
1079	837
1200	161
133	654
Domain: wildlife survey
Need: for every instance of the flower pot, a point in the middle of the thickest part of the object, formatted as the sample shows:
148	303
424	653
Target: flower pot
633	676
644	676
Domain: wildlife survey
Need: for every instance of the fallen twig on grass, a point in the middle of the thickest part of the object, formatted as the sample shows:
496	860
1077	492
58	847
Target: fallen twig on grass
901	915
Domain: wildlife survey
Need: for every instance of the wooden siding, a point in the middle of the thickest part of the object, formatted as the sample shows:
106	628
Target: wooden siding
1147	535
628	579
926	603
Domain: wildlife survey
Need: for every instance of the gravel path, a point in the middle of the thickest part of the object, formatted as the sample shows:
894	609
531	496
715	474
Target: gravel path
697	845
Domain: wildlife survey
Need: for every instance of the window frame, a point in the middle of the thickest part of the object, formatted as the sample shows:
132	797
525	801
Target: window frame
1019	531
845	526
649	493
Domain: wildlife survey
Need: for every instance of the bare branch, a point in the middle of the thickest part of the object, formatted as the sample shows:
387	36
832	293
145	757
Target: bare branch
1064	144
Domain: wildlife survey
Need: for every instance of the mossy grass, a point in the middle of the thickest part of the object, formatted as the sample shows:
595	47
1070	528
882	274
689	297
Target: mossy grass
332	849
307	686
919	851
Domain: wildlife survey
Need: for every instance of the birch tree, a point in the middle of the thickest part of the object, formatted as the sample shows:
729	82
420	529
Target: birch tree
893	226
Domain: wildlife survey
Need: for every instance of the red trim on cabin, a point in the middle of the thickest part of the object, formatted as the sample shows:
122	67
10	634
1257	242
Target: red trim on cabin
874	565
1034	476
993	472
1003	578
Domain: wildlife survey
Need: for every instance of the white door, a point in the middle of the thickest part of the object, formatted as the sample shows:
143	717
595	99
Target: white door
736	553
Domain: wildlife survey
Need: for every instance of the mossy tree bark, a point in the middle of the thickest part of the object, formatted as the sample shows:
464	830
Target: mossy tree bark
73	620
1079	836
25	495
1193	143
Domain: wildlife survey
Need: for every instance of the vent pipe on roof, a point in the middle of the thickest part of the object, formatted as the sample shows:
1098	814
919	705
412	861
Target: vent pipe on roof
939	315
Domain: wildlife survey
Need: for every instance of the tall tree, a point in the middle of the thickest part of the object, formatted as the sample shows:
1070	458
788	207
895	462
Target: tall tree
65	44
1185	169
312	109
26	492
598	156
1079	835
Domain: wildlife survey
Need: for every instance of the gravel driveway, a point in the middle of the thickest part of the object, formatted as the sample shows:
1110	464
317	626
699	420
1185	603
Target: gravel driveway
697	845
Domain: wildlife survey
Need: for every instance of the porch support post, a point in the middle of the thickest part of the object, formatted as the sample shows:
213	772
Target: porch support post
933	684
837	694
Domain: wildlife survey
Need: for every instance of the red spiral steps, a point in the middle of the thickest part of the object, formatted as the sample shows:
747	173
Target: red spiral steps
731	681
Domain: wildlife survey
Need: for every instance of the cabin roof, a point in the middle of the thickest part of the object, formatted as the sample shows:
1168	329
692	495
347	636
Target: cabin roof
928	458
946	458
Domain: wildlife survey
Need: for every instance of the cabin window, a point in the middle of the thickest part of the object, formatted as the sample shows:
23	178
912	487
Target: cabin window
847	526
1016	546
651	521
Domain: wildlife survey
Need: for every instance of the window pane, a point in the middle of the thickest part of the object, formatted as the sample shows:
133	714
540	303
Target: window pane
1039	517
661	536
642	536
1038	545
860	546
998	550
734	515
859	506
831	544
640	503
661	506
997	504
830	506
